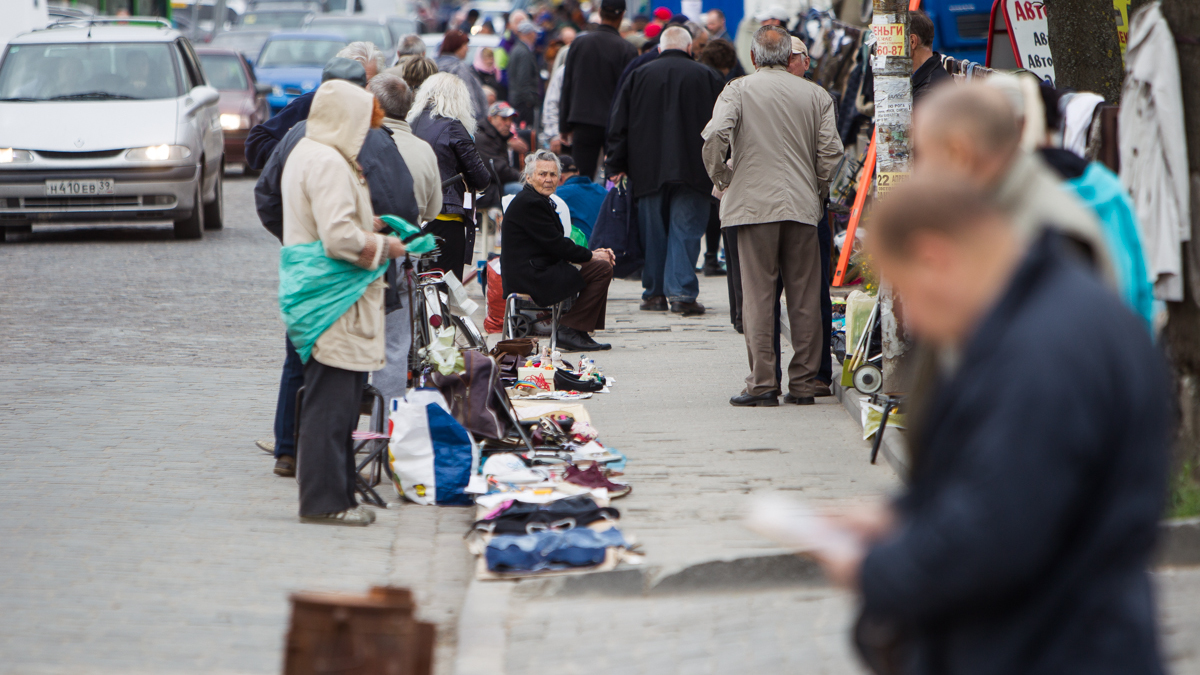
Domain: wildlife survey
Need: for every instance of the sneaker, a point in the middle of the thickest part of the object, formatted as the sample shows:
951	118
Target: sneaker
285	466
692	308
355	517
266	446
654	303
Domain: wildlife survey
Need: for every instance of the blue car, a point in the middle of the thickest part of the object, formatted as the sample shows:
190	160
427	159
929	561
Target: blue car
292	62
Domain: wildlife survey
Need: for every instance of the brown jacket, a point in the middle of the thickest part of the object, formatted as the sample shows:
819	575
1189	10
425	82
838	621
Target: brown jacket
785	147
325	197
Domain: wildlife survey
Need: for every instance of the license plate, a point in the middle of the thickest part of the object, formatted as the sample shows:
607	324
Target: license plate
79	188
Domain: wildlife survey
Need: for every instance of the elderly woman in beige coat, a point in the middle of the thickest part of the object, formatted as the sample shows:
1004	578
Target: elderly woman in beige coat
325	198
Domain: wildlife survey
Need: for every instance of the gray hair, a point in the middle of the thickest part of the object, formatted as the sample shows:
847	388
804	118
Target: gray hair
394	95
364	53
533	158
411	45
772	47
675	37
445	95
695	29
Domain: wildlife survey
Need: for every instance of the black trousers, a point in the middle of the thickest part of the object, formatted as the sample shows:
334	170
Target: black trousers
452	247
325	450
712	236
587	142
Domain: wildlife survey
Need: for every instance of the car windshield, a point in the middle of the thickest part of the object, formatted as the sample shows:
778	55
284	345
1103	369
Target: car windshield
274	19
224	71
89	71
241	41
401	27
298	53
355	32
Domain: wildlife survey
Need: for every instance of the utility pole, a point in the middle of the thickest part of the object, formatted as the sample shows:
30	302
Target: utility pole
892	68
1087	53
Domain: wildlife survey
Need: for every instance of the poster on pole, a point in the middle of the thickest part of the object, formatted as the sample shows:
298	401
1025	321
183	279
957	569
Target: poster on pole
1027	32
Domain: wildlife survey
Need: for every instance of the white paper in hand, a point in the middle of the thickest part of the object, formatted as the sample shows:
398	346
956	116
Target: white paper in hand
795	525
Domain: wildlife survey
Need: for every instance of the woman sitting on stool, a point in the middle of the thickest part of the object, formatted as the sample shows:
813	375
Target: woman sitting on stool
537	259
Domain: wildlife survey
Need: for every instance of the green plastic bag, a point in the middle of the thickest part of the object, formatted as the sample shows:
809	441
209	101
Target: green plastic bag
578	237
414	240
315	290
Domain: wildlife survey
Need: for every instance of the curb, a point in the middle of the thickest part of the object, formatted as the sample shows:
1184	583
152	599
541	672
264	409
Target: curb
1178	539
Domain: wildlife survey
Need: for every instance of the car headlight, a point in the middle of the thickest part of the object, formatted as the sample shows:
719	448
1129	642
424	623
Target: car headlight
13	156
276	90
158	153
232	122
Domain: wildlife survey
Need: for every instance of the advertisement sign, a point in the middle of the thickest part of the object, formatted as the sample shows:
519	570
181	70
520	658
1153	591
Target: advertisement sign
889	39
1028	30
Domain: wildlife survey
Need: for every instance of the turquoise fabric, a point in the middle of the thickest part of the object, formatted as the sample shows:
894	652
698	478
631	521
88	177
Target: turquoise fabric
1102	191
314	290
414	241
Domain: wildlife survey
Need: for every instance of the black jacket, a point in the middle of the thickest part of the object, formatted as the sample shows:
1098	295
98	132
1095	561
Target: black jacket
928	76
388	179
654	134
523	79
594	63
1038	479
536	256
261	140
641	60
456	154
493	147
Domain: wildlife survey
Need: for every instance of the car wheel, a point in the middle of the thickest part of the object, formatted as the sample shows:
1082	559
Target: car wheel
192	227
214	213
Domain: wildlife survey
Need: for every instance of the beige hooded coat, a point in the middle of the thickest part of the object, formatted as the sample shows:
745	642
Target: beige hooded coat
325	197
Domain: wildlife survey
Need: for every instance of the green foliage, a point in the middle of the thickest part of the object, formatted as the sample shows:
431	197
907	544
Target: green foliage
1184	500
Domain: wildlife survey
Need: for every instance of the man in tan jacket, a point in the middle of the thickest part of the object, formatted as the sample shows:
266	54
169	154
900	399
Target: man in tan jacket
325	198
782	137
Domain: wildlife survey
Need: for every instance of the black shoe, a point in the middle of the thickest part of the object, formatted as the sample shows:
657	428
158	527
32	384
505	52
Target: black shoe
692	308
712	268
285	466
571	340
655	303
799	400
744	400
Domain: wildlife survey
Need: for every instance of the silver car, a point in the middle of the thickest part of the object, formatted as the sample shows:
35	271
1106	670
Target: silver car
108	122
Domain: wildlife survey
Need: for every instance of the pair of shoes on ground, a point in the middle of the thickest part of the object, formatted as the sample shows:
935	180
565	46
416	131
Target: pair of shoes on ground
658	303
572	340
593	477
769	400
359	516
712	268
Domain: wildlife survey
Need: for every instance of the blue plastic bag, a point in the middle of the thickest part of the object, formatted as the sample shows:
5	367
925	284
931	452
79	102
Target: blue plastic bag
315	290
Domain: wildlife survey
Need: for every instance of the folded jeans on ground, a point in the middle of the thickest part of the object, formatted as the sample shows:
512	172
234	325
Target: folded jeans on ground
551	549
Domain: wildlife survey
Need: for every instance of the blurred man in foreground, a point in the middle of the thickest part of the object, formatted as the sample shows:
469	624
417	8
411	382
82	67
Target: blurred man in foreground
1039	457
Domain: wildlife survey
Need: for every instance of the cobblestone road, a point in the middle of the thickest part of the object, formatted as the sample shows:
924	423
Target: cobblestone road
142	531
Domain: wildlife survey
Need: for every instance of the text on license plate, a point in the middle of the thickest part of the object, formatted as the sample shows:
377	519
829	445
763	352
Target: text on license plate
79	188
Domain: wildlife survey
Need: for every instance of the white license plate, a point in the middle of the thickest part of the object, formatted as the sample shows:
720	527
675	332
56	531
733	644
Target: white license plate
79	188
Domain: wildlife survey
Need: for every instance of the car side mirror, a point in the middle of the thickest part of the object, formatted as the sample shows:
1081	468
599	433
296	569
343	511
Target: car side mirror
263	88
200	97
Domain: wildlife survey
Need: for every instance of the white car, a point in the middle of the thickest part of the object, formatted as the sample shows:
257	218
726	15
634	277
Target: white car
108	122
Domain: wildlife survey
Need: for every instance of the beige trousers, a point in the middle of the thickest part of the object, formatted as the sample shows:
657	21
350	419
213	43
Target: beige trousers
781	250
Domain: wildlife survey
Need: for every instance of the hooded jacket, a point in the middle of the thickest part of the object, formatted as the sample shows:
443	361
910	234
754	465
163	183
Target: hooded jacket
325	198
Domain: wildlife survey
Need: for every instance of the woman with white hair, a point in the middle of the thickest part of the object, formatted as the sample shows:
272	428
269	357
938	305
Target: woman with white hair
538	260
442	116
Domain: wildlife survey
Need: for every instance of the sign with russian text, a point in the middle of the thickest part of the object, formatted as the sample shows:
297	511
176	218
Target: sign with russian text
1028	30
889	39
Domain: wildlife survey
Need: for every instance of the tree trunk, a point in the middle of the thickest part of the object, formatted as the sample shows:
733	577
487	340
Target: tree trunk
892	66
1083	39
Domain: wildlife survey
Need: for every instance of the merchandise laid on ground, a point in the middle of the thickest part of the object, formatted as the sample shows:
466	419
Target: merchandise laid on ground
506	434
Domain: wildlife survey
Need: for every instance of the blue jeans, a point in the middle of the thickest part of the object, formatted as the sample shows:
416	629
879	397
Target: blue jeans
285	408
673	221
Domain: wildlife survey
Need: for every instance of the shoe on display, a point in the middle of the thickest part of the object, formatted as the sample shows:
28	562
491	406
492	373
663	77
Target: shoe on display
712	268
692	308
799	400
356	517
267	446
744	400
285	466
593	477
654	303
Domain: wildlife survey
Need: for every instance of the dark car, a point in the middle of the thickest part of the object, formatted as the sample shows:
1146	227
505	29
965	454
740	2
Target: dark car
243	102
248	42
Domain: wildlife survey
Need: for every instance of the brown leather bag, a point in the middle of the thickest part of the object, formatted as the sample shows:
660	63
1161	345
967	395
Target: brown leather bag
519	347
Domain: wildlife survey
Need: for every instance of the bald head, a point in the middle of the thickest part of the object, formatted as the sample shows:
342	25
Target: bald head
969	129
675	37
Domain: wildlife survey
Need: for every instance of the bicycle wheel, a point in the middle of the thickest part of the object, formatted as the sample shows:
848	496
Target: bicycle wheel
466	335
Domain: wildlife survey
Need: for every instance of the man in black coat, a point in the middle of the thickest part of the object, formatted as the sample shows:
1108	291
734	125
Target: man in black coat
1039	456
539	260
493	140
928	70
654	136
594	63
524	82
